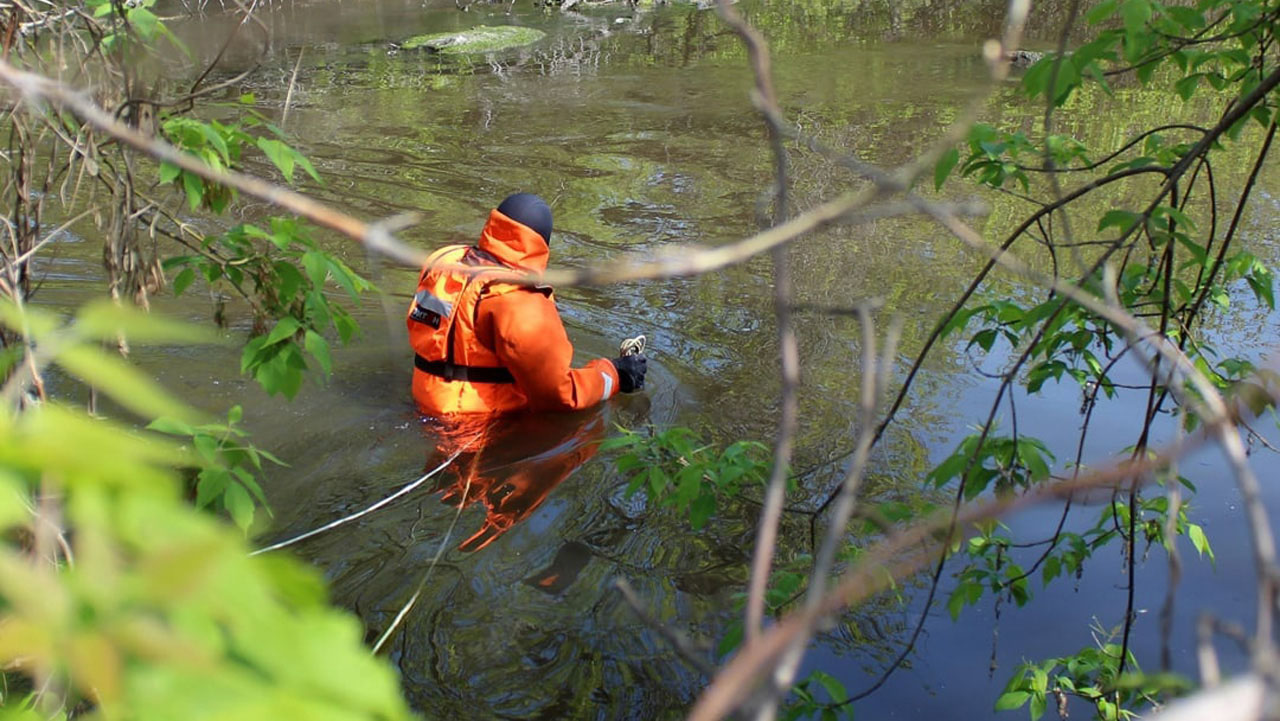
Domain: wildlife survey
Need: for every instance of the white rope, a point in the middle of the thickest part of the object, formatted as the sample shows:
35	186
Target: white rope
466	490
347	519
632	346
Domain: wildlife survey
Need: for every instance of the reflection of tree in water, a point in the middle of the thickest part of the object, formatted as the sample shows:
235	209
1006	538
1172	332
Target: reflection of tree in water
535	609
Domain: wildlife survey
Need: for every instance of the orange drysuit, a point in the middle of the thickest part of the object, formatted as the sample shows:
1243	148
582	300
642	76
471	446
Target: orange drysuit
488	346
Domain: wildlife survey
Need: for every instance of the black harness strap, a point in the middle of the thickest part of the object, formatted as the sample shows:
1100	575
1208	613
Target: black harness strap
449	370
471	374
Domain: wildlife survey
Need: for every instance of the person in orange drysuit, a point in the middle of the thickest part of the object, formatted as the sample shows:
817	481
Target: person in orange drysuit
484	345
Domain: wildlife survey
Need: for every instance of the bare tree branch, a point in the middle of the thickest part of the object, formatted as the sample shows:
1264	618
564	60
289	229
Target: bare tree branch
375	235
766	101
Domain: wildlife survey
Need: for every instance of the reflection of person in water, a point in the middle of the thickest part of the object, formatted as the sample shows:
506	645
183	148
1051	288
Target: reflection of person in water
510	463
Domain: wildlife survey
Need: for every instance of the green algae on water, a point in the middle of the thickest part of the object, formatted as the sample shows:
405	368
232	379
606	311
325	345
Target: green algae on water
480	39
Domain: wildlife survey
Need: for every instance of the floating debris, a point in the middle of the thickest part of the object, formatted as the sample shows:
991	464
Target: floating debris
480	39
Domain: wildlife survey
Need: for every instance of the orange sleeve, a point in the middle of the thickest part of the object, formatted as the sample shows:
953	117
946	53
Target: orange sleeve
529	337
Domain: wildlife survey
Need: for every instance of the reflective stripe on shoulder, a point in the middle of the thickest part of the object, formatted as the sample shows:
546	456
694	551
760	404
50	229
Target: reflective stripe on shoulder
608	386
427	301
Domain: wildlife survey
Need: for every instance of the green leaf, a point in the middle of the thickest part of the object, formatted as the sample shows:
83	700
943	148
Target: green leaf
731	640
144	21
701	510
347	327
1101	11
14	503
169	172
307	166
280	370
279	154
345	277
239	505
1038	704
285	328
1262	285
207	446
183	280
1030	454
1135	13
248	99
957	600
249	482
1052	569
984	339
949	468
210	484
1186	87
1122	219
1200	541
172	426
215	139
834	688
317	266
944	166
1010	700
318	347
194	187
1189	18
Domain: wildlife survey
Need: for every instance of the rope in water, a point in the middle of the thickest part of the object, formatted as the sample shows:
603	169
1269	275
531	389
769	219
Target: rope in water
347	519
404	611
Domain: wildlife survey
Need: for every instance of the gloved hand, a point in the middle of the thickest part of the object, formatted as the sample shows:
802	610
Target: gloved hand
631	370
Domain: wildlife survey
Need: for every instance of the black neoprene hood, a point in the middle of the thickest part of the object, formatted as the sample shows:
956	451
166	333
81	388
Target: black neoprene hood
529	210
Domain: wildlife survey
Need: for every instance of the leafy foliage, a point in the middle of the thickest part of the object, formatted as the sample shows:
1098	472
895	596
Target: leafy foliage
280	269
119	599
227	465
1090	675
221	148
1172	264
137	26
144	607
674	471
285	271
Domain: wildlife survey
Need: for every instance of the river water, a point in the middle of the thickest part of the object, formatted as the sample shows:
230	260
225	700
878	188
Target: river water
638	128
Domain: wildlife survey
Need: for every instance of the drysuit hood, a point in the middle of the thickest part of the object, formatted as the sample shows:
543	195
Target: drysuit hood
514	243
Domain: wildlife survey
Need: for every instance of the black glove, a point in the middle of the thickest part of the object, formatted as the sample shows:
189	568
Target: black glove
631	370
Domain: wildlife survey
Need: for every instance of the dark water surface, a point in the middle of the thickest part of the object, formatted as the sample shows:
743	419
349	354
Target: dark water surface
638	128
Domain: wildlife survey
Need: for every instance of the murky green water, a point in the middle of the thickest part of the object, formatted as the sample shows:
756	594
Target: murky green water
638	129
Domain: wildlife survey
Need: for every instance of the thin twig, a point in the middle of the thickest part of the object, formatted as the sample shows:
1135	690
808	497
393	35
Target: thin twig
376	235
766	102
876	373
896	558
288	96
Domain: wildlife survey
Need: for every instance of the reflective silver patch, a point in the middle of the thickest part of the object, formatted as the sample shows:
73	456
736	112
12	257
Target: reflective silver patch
429	302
